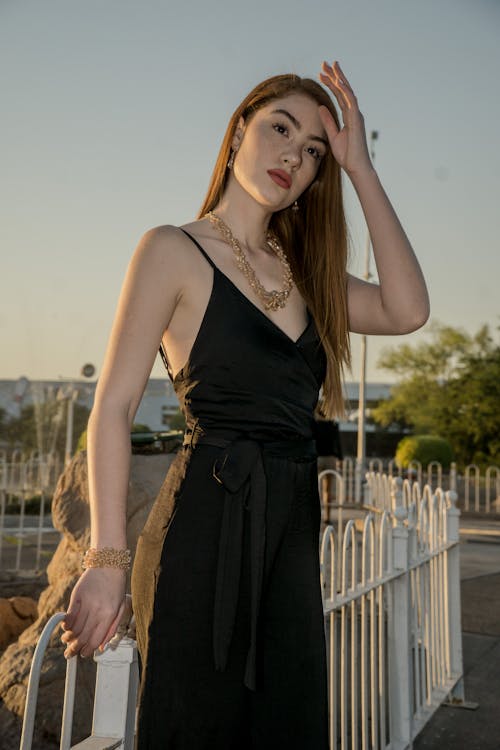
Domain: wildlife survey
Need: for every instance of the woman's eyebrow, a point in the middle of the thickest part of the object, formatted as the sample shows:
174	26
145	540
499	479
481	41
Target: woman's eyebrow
298	125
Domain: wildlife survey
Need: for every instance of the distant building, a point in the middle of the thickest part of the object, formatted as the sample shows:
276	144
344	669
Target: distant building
374	392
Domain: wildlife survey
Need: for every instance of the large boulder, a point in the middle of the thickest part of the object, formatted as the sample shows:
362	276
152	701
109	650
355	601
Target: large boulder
16	613
70	513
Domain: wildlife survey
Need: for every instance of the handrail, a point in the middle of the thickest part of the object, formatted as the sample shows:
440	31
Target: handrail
117	675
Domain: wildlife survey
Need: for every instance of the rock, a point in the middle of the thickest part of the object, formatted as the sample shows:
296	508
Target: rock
19	583
11	727
16	613
70	513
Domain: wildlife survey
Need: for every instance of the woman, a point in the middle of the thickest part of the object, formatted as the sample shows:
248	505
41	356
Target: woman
227	604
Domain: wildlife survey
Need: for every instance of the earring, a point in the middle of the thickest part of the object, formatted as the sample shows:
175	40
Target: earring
231	160
295	206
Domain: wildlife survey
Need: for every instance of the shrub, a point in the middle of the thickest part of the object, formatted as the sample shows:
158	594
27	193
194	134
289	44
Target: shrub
424	448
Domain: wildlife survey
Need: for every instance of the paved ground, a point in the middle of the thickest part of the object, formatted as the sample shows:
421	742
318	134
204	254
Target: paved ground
453	728
28	557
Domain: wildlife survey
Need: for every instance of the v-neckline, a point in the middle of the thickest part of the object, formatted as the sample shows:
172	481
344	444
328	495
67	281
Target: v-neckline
263	314
294	342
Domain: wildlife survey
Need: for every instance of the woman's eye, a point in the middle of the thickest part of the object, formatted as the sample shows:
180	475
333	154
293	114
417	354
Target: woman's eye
315	152
279	125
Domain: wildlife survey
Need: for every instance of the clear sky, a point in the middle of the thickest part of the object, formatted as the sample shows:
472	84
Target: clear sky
112	114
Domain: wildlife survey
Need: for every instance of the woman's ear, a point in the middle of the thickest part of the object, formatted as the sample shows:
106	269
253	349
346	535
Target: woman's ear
238	133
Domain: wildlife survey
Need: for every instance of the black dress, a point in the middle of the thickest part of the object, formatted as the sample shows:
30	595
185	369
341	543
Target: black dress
225	580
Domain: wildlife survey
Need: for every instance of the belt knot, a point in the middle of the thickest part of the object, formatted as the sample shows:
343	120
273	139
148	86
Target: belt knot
239	467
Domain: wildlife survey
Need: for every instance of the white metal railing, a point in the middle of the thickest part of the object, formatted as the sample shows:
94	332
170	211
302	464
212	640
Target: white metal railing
477	491
392	609
117	679
33	473
21	478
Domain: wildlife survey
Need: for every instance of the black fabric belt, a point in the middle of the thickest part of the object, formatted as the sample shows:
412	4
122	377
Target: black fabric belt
240	469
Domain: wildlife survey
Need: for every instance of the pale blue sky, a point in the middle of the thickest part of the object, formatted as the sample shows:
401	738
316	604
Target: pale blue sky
113	112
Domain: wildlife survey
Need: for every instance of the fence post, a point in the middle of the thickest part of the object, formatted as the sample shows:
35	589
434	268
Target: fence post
454	608
116	692
358	472
453	476
400	696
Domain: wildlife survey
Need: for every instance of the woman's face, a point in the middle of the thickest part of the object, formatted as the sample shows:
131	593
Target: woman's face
291	140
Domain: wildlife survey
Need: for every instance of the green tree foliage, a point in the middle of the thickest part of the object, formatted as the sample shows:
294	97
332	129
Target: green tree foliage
424	448
449	386
45	432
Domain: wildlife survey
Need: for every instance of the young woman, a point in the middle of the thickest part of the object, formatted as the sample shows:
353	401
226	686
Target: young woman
251	305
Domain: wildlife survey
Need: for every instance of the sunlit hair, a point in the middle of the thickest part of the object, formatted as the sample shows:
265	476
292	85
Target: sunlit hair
314	237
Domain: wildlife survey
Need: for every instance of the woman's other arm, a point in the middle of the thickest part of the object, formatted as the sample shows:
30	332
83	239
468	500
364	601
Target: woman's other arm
399	303
151	289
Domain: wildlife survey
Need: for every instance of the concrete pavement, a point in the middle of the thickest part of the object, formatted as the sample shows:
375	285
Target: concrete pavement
454	728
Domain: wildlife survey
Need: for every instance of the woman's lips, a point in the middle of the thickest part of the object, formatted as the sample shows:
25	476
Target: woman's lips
280	179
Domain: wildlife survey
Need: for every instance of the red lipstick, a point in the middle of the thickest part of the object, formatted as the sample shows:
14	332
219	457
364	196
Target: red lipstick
280	177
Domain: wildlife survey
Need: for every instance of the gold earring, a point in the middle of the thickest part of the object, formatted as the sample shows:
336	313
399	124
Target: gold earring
295	206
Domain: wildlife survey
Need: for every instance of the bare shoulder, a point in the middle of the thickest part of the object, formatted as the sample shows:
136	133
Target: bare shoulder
162	242
168	243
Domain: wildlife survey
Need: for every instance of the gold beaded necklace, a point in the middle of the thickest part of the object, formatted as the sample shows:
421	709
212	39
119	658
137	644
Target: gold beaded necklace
272	299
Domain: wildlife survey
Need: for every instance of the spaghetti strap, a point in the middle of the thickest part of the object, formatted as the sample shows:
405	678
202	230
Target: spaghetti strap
207	256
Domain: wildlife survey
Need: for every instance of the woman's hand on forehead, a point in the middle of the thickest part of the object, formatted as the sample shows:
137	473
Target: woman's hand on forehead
348	144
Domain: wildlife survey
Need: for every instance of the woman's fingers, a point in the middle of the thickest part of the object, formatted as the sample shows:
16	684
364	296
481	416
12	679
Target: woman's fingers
78	638
94	639
74	634
91	636
336	81
72	612
119	626
112	629
99	629
340	75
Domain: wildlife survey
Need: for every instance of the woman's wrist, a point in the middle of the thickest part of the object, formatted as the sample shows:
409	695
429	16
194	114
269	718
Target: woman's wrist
365	173
107	557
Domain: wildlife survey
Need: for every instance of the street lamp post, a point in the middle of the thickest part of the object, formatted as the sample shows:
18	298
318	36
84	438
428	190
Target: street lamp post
361	448
72	396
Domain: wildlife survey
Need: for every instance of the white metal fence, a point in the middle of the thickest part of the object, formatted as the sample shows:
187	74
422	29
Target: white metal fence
24	538
477	490
391	584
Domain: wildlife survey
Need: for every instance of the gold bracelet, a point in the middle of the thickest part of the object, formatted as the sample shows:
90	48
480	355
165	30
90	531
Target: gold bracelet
106	557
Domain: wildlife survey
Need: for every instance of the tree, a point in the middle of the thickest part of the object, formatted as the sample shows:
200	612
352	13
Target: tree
451	387
47	430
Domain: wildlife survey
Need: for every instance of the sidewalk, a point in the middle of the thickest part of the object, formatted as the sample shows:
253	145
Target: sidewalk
453	728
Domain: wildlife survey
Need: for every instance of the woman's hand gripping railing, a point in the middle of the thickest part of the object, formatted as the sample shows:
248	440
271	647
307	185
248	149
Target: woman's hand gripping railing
116	688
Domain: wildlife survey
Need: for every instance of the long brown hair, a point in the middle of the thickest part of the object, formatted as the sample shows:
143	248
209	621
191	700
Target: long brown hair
315	237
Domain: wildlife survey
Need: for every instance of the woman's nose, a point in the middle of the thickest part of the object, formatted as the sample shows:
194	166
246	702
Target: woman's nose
292	157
